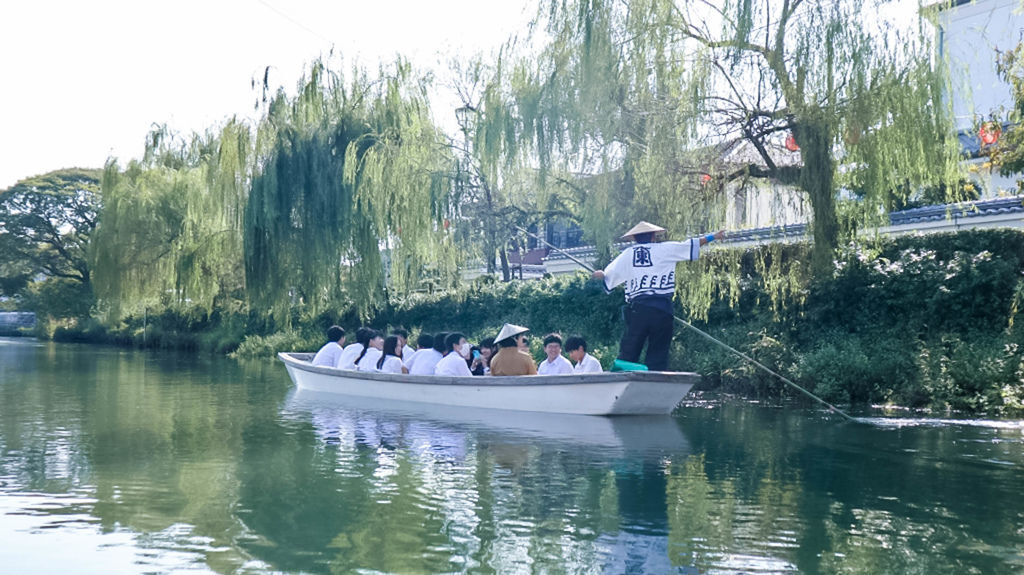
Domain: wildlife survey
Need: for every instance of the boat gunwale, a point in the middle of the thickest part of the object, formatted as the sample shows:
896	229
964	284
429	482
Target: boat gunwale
606	377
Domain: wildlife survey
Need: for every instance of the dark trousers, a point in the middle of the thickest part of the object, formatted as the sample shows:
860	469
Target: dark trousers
645	323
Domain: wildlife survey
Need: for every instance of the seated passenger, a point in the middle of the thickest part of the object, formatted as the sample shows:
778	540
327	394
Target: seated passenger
454	361
426	363
555	364
403	340
347	359
390	361
482	363
331	351
510	359
424	342
367	361
585	363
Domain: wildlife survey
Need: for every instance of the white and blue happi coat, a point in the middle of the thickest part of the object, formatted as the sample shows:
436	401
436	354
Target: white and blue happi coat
649	270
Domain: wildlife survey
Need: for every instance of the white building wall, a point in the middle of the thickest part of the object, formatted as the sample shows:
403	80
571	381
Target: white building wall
971	36
761	203
992	183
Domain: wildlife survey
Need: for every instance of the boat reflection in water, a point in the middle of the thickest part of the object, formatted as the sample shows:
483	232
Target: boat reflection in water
602	479
377	422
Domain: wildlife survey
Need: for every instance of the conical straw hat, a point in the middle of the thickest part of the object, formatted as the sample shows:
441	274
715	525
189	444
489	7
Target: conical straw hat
509	330
642	228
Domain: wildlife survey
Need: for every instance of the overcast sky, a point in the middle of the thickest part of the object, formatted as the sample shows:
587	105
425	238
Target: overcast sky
85	80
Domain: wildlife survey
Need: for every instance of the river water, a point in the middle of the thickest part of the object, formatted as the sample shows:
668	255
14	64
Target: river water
115	461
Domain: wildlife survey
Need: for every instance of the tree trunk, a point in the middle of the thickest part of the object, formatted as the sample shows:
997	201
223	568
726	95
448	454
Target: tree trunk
817	179
506	273
489	252
491	244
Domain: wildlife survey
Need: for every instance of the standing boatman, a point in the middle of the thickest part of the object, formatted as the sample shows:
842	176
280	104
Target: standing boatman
648	270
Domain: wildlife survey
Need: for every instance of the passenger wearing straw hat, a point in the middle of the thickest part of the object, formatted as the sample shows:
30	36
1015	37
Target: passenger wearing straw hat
510	359
648	270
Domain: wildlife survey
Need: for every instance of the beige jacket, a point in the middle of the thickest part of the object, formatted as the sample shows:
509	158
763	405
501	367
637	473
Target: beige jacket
511	361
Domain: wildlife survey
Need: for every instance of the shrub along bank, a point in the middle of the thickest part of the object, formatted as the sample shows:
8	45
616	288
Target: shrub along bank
914	321
921	321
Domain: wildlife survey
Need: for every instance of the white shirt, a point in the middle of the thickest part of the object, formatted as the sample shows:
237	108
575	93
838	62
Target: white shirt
328	354
650	269
424	364
347	359
558	367
588	364
452	364
409	357
369	361
392	364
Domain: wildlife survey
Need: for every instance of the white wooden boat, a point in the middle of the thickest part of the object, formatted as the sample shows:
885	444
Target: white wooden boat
618	393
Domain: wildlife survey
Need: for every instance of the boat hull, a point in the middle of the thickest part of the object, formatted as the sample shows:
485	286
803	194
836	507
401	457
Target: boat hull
634	392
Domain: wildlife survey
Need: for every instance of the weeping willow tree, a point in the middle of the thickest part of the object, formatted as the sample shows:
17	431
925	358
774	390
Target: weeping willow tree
170	231
349	195
334	197
638	86
498	187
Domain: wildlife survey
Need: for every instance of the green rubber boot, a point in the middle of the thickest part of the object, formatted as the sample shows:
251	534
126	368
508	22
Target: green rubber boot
620	365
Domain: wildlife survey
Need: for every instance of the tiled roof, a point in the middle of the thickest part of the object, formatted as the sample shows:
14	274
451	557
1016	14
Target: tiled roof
979	208
961	211
1009	205
790	231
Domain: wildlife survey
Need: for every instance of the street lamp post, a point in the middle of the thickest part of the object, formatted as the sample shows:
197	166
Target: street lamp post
462	116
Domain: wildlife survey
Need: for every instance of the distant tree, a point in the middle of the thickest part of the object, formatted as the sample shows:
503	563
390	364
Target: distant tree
170	230
46	223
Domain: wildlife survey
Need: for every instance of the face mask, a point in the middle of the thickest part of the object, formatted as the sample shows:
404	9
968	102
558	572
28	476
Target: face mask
464	350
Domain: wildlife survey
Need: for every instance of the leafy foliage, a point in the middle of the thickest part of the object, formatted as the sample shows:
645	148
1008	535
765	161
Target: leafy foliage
907	320
1009	152
335	196
352	175
170	230
46	223
632	86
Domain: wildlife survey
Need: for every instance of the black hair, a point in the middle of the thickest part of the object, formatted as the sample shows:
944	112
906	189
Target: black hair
552	338
370	334
425	341
452	339
487	342
575	342
644	238
400	333
439	338
335	333
390	348
510	341
364	335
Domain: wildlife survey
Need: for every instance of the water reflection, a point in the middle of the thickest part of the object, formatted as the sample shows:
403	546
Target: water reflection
481	490
141	462
371	421
851	498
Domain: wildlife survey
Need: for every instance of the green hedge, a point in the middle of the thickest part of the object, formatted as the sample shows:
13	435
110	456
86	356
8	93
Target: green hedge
922	321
